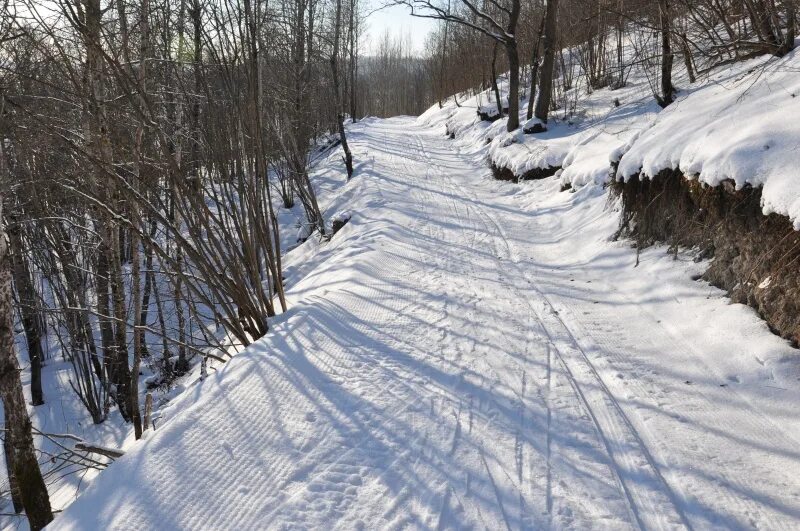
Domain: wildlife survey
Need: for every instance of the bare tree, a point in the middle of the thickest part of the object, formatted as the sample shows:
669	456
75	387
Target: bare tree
496	20
334	61
665	22
29	308
535	70
548	66
20	453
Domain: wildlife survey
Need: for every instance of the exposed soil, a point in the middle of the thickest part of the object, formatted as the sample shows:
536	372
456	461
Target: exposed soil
337	224
505	174
756	258
535	129
488	117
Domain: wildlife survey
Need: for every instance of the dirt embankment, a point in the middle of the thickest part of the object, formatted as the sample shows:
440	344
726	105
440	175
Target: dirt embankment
504	174
756	258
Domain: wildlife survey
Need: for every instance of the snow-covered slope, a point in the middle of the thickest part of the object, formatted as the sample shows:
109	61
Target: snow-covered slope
579	138
742	125
741	122
472	354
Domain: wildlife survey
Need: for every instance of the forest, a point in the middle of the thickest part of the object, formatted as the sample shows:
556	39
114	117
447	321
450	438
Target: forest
149	150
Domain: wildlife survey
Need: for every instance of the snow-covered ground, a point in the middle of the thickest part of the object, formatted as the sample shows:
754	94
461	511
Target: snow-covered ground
581	135
63	414
740	123
466	353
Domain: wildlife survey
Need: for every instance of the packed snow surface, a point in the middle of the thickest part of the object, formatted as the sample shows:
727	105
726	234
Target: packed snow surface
472	354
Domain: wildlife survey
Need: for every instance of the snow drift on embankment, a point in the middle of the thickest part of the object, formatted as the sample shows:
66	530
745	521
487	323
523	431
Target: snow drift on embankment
742	125
739	123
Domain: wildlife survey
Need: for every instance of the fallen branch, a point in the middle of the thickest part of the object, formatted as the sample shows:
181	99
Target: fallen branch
113	453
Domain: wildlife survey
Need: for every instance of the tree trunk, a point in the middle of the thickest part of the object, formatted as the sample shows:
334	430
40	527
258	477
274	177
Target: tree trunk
548	61
667	91
107	335
167	369
13	487
510	43
687	58
149	282
196	15
138	334
620	45
334	60
443	59
791	27
24	467
31	320
513	86
135	214
353	59
122	370
495	88
534	71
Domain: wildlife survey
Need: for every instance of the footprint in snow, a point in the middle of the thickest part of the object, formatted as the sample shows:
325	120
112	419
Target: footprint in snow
311	417
228	448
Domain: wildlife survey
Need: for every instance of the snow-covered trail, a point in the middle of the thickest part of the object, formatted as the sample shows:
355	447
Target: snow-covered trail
464	355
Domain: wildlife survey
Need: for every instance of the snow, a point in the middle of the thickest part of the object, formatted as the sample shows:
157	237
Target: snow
294	226
467	353
580	139
66	421
736	123
61	414
62	421
741	125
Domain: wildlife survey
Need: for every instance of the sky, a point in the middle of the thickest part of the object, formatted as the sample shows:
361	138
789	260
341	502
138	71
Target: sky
398	21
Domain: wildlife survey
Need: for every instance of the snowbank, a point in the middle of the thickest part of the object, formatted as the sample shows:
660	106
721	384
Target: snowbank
742	125
578	141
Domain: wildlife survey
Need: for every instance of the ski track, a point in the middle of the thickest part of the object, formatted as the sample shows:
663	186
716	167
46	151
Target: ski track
460	383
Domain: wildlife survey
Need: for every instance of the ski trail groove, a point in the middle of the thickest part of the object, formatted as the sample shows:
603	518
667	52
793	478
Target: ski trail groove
613	426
